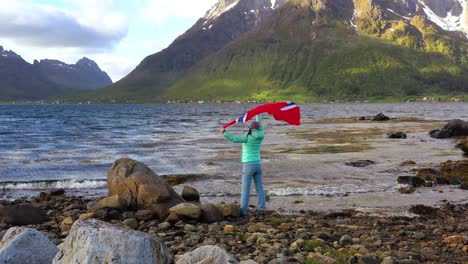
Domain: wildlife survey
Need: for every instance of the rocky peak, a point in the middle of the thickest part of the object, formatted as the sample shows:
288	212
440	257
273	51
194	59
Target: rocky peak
8	54
87	63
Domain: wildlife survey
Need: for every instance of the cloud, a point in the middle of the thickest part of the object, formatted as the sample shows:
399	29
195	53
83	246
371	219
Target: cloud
91	24
159	11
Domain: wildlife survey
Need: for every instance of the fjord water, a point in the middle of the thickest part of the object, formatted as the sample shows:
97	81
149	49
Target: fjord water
73	146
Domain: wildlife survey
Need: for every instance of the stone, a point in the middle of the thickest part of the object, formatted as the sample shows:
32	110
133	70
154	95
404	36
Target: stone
464	186
407	189
465	146
66	224
145	215
25	245
141	187
389	260
112	202
229	229
229	210
248	261
454	128
457	127
411	180
440	133
165	225
360	163
369	259
457	239
429	174
346	240
131	223
172	218
187	211
87	215
22	214
206	254
190	194
454	172
210	213
94	241
381	117
398	135
322	258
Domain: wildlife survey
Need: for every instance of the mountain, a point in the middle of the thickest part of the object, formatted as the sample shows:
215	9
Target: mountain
224	22
310	50
22	81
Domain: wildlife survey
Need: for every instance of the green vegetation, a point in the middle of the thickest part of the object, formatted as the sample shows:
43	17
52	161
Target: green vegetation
311	245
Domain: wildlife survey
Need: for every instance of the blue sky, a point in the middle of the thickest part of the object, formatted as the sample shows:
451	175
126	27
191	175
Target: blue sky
117	34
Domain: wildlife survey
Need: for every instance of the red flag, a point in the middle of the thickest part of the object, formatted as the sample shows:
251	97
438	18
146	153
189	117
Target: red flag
283	111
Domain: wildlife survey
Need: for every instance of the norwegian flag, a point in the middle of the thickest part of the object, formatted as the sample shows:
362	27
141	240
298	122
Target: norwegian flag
283	111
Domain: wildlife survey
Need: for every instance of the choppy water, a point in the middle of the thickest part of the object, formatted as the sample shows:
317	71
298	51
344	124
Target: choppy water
72	146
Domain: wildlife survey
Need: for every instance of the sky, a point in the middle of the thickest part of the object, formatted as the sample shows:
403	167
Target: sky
117	34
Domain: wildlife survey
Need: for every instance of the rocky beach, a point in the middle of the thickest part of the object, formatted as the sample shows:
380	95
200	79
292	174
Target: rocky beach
144	214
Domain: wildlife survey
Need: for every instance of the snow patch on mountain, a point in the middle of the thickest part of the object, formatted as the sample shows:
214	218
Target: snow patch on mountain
405	17
450	22
273	2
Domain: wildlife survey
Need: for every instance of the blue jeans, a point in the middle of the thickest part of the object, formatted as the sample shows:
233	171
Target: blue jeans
249	172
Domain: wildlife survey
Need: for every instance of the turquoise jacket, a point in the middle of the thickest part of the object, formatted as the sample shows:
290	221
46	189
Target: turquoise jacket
251	144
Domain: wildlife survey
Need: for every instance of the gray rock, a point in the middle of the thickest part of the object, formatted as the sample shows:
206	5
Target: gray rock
25	245
369	259
22	214
132	223
249	261
206	254
94	241
389	260
346	240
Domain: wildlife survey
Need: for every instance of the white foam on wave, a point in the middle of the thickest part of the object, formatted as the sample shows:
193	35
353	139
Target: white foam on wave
332	190
63	184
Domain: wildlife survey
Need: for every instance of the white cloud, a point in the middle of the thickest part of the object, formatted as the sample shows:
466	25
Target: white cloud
92	24
159	11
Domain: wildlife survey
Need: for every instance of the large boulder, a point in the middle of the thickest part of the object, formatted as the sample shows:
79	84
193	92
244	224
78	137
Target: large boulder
457	127
94	241
141	187
207	254
22	214
25	245
454	128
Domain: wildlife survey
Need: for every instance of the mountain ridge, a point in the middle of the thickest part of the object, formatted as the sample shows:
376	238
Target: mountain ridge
23	81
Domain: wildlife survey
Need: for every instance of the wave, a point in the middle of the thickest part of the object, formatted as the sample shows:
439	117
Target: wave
63	184
332	190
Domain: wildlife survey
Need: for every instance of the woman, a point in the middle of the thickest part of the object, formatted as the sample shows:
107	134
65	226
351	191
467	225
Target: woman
252	169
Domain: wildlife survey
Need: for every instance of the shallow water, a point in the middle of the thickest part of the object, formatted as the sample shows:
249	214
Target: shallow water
72	146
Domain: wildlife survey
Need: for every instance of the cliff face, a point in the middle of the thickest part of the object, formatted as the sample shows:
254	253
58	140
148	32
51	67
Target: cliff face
20	80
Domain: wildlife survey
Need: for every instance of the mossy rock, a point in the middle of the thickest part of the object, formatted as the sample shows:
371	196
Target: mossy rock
454	170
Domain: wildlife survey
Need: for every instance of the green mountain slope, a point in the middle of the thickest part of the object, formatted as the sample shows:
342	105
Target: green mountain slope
309	50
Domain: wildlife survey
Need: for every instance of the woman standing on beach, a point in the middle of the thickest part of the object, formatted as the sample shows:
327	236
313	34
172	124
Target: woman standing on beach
252	169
